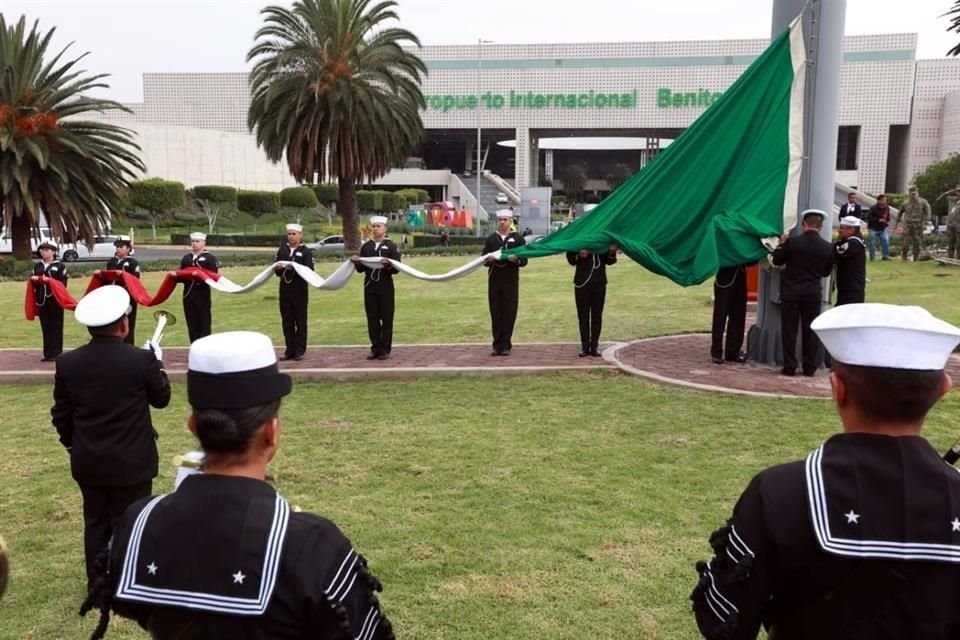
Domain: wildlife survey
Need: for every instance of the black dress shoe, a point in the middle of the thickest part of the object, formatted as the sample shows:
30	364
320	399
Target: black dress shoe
594	352
383	356
739	358
495	352
285	357
788	372
298	357
583	353
372	356
717	360
810	374
505	352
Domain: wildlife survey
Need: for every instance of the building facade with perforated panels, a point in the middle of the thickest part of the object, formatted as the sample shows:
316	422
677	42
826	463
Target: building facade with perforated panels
897	114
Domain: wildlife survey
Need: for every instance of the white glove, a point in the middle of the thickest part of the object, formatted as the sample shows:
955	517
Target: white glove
153	346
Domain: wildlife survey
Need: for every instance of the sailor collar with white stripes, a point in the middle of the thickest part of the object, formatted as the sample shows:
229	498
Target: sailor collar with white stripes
232	570
861	494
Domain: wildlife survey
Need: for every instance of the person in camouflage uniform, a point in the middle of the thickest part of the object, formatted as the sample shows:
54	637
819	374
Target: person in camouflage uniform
953	223
914	214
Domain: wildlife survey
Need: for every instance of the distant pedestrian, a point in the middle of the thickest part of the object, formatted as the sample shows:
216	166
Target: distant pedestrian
878	219
914	215
851	207
953	223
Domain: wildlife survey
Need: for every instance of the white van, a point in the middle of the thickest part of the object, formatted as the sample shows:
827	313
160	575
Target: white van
6	240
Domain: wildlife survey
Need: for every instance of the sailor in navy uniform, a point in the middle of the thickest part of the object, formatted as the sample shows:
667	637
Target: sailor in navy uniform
102	396
49	311
225	556
729	314
294	293
850	256
196	295
378	292
503	282
123	261
590	293
862	539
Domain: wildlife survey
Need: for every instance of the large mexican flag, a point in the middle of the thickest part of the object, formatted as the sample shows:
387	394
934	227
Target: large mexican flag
722	187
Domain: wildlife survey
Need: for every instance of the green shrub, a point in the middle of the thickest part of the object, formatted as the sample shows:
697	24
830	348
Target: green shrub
369	201
393	202
327	194
216	194
257	203
298	198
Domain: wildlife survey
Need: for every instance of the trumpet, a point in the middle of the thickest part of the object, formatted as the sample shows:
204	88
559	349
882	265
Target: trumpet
163	319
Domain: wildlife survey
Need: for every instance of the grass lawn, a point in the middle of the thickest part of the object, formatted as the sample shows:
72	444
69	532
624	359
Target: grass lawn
567	505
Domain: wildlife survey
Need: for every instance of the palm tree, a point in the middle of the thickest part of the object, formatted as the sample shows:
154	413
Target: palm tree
52	162
335	93
954	25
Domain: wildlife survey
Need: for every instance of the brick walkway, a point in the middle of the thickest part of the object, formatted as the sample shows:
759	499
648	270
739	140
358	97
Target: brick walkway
345	362
680	360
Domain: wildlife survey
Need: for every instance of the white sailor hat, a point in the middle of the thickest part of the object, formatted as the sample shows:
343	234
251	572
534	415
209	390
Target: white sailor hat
102	306
850	221
504	213
295	227
886	335
812	212
378	219
196	235
233	370
48	244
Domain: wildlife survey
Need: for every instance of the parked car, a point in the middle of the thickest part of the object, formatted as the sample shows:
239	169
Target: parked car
330	243
102	249
501	198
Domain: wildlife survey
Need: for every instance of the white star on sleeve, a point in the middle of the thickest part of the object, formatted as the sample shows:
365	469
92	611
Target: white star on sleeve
152	569
955	523
852	517
238	578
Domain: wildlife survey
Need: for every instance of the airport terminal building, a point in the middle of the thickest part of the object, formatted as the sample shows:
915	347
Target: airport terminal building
897	114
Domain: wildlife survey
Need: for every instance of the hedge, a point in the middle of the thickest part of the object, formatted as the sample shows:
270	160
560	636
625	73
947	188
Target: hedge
369	201
215	194
414	196
232	240
258	202
326	193
299	198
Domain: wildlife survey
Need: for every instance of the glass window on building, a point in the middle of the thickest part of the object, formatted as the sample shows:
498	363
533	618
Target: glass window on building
847	143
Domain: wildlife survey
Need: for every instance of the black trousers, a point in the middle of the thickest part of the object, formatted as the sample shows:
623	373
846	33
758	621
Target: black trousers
102	508
196	310
799	313
590	301
730	312
849	297
131	337
503	296
378	302
51	324
293	319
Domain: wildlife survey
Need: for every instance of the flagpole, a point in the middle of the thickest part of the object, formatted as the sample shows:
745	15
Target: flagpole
823	27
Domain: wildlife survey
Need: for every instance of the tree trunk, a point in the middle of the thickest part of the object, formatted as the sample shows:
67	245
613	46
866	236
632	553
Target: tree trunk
348	211
20	232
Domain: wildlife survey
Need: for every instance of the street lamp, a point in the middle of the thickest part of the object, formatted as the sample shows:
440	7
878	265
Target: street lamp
480	43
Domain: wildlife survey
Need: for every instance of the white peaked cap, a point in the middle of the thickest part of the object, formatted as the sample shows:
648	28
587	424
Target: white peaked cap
102	306
886	335
234	370
812	212
504	213
850	221
196	235
295	227
378	219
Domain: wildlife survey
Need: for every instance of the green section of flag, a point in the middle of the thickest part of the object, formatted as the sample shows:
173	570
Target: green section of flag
707	199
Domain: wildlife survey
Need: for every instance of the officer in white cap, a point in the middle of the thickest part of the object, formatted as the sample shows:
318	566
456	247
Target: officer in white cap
378	292
850	255
503	282
196	295
102	396
294	293
225	556
807	259
862	539
48	309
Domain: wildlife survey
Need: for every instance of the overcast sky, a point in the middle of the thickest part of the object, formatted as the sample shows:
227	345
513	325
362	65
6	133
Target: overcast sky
126	38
